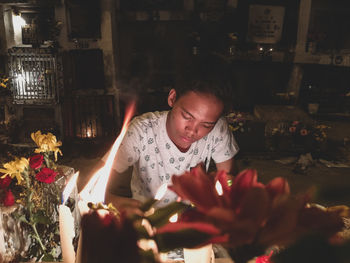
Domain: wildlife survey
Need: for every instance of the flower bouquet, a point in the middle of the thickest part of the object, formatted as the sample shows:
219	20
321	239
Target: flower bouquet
299	137
237	121
4	87
30	195
247	217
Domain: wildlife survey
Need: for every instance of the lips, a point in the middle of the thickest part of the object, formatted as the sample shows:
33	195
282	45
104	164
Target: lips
186	139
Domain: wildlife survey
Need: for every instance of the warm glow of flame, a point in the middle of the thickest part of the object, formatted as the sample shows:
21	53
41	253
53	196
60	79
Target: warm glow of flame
95	189
18	21
218	188
173	218
161	191
88	132
69	187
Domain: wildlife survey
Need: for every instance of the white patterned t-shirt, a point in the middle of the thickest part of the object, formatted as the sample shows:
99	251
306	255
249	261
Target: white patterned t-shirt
155	158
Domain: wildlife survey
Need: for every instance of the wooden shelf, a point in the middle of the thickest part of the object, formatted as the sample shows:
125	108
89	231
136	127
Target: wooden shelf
338	59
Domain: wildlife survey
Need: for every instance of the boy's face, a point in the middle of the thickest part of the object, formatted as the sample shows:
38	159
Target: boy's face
193	116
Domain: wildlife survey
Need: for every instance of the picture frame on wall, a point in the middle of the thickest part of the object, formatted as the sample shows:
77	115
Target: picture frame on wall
265	24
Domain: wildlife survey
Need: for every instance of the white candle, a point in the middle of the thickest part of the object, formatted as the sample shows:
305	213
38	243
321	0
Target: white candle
66	223
203	254
67	234
79	249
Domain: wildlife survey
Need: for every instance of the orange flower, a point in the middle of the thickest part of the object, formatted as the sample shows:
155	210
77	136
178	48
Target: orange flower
304	132
292	129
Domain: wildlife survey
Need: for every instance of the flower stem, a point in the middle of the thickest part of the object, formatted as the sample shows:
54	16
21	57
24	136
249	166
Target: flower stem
33	225
37	237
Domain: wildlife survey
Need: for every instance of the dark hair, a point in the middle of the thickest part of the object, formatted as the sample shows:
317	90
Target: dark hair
209	74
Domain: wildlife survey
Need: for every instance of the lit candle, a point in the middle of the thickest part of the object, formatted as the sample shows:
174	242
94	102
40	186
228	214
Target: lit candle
94	191
66	223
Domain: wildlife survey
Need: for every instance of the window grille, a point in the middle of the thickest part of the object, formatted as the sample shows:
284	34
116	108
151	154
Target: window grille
33	73
90	117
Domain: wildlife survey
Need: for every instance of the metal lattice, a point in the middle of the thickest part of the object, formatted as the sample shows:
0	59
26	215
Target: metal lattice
33	73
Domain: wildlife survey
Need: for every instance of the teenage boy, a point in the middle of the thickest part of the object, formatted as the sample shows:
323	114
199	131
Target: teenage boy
159	145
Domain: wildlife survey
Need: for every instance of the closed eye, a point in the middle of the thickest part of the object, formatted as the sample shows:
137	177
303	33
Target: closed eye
186	116
208	126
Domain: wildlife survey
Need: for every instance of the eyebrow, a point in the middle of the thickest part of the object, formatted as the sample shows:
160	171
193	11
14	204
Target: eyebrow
207	122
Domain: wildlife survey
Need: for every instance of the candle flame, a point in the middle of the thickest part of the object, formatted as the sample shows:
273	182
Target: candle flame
218	188
161	191
173	218
69	187
95	189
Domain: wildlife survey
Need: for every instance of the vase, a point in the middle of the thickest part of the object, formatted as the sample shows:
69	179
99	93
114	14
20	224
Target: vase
14	239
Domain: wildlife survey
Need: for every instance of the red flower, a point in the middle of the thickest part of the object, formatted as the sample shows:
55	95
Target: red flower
214	234
46	175
264	258
104	236
5	182
36	161
184	186
250	211
9	199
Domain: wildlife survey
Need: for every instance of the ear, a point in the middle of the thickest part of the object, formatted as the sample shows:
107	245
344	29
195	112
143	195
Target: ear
172	97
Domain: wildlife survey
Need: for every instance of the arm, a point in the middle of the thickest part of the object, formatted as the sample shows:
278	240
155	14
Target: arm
228	166
119	194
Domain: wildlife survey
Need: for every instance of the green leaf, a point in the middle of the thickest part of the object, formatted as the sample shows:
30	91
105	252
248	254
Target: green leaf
48	257
41	218
147	256
147	205
142	232
23	219
161	216
187	238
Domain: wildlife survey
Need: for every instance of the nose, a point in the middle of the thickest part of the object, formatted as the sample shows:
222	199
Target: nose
191	130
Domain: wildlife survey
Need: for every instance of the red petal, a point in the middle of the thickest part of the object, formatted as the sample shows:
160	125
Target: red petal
255	206
5	182
243	182
277	186
199	226
9	198
191	186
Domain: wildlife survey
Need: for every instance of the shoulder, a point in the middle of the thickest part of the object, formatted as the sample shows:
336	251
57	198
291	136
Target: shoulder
148	119
221	126
147	124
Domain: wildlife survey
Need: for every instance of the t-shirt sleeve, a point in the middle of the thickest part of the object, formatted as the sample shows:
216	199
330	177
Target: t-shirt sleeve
225	146
129	150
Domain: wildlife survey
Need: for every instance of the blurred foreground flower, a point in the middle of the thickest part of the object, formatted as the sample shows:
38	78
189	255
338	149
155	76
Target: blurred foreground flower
108	239
254	215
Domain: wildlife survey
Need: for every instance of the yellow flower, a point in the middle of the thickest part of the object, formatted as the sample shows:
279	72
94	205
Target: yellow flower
15	168
2	85
46	143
